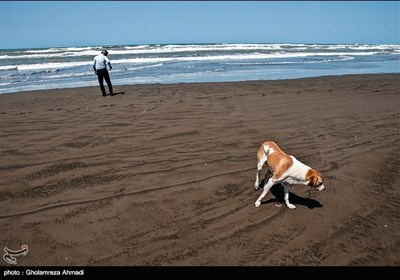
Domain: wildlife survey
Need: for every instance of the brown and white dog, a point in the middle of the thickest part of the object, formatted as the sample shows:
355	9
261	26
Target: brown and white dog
286	170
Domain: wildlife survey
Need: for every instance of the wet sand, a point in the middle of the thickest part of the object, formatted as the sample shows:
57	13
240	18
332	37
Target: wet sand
163	175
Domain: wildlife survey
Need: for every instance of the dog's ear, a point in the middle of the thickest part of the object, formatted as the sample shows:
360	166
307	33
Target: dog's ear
313	181
314	178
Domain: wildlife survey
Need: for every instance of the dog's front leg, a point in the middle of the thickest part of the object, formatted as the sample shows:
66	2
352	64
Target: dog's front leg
257	183
286	192
267	186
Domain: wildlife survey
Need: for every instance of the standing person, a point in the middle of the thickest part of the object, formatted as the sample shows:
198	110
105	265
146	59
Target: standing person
100	63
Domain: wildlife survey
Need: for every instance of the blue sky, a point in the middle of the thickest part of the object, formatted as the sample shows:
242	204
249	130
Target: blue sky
80	23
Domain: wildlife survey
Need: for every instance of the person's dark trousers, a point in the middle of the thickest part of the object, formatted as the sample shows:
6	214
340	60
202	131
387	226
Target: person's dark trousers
101	75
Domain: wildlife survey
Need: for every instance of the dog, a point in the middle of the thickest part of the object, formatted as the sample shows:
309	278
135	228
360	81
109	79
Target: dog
286	170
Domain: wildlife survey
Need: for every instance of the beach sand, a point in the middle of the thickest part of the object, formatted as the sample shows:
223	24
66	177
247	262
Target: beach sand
163	175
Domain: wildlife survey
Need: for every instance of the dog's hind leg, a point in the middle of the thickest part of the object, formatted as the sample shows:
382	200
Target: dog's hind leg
286	196
268	175
261	159
267	186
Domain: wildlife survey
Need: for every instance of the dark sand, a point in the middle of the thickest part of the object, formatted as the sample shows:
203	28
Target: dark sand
163	174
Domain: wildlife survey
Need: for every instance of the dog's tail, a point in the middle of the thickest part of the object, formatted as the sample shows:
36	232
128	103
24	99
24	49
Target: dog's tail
268	147
262	155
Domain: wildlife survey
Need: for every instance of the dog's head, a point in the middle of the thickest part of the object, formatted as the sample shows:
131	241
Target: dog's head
315	179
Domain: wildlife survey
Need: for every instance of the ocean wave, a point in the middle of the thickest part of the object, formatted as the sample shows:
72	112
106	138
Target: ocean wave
51	50
165	49
9	67
145	66
143	50
144	60
136	47
70	75
250	56
52	65
47	55
339	59
58	50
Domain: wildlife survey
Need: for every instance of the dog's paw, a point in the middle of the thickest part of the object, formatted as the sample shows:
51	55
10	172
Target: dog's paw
257	204
291	206
256	185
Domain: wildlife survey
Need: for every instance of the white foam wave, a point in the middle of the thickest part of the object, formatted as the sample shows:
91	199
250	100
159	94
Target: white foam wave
353	47
44	51
79	48
153	60
8	67
146	66
61	76
29	56
52	65
341	58
254	56
154	49
136	47
146	50
58	50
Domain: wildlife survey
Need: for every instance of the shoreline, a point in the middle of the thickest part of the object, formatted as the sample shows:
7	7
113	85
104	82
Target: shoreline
163	174
193	83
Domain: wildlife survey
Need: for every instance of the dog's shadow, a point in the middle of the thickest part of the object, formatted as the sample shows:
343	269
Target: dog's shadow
277	191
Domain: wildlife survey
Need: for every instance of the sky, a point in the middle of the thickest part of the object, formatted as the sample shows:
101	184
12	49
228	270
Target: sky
41	24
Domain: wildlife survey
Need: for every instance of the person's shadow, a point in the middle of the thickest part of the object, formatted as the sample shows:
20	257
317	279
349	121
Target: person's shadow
277	191
116	93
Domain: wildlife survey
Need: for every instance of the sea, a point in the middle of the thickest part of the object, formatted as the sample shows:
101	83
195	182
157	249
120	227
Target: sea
51	68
